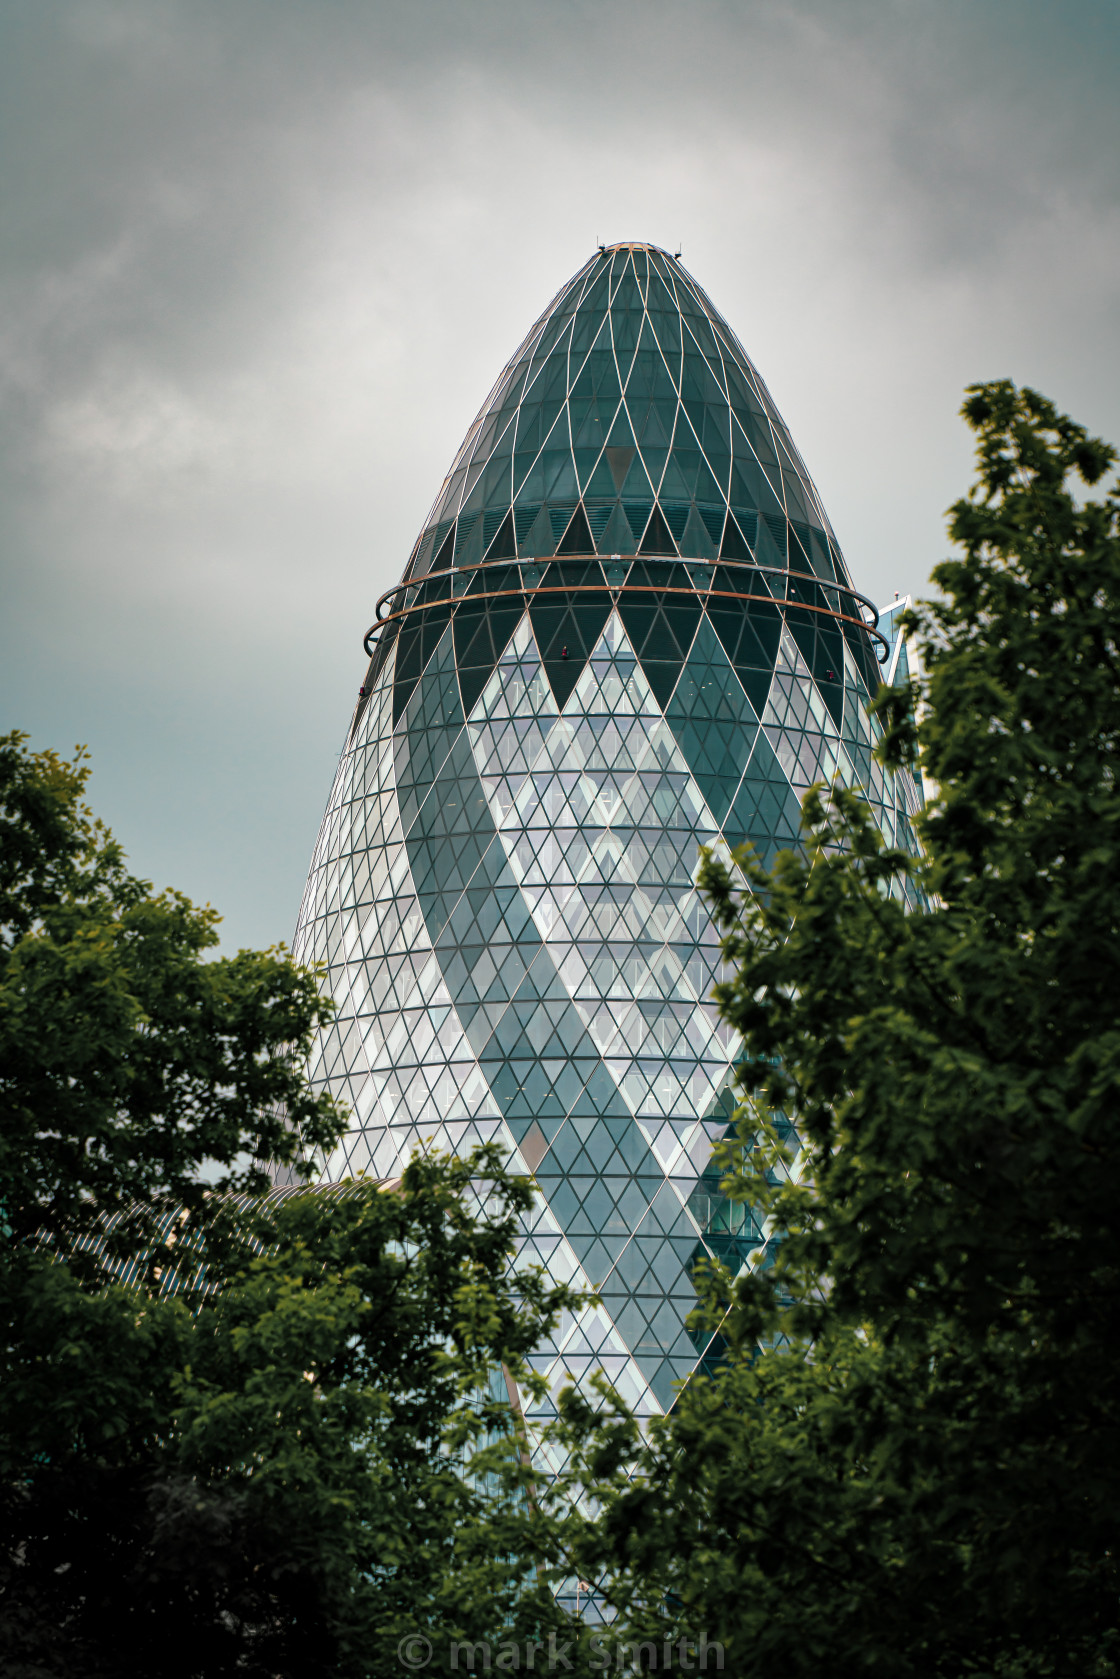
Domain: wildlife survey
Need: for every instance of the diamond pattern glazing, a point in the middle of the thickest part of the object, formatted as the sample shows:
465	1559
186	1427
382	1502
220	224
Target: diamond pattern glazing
625	630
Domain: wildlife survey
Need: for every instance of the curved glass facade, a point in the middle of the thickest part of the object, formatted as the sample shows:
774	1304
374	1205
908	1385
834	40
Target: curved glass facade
625	629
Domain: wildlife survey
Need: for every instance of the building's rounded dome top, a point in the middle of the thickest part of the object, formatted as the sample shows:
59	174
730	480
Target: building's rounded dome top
629	420
629	452
624	633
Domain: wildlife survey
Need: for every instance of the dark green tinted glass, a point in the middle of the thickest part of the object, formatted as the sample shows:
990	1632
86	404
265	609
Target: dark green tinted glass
617	638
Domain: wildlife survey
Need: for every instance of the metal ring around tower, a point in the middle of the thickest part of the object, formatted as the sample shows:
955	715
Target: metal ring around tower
665	559
528	591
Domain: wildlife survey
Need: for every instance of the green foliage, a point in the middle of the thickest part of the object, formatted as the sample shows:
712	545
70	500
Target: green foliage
286	1443
131	1068
925	1479
288	1475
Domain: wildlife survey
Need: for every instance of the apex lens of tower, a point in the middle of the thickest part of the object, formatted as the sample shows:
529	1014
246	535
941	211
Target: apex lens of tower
626	629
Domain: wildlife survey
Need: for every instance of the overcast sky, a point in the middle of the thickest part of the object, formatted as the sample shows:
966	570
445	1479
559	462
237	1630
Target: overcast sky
261	260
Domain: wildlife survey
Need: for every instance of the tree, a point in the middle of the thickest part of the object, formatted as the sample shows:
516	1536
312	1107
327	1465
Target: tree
926	1480
240	1432
287	1476
135	1076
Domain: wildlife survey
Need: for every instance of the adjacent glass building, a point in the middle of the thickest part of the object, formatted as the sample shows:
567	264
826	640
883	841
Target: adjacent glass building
625	630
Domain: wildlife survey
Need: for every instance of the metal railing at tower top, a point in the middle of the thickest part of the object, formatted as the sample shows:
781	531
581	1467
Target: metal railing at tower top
800	591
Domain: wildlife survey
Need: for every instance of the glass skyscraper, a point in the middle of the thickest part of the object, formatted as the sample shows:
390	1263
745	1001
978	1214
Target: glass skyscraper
626	629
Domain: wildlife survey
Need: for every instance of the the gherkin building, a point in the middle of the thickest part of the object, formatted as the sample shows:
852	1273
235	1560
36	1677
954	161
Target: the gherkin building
626	629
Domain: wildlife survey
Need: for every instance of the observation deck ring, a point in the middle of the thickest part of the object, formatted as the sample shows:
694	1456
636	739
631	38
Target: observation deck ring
528	591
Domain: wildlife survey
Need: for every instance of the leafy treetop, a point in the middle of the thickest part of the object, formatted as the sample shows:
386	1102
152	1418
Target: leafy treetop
136	1072
927	1479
